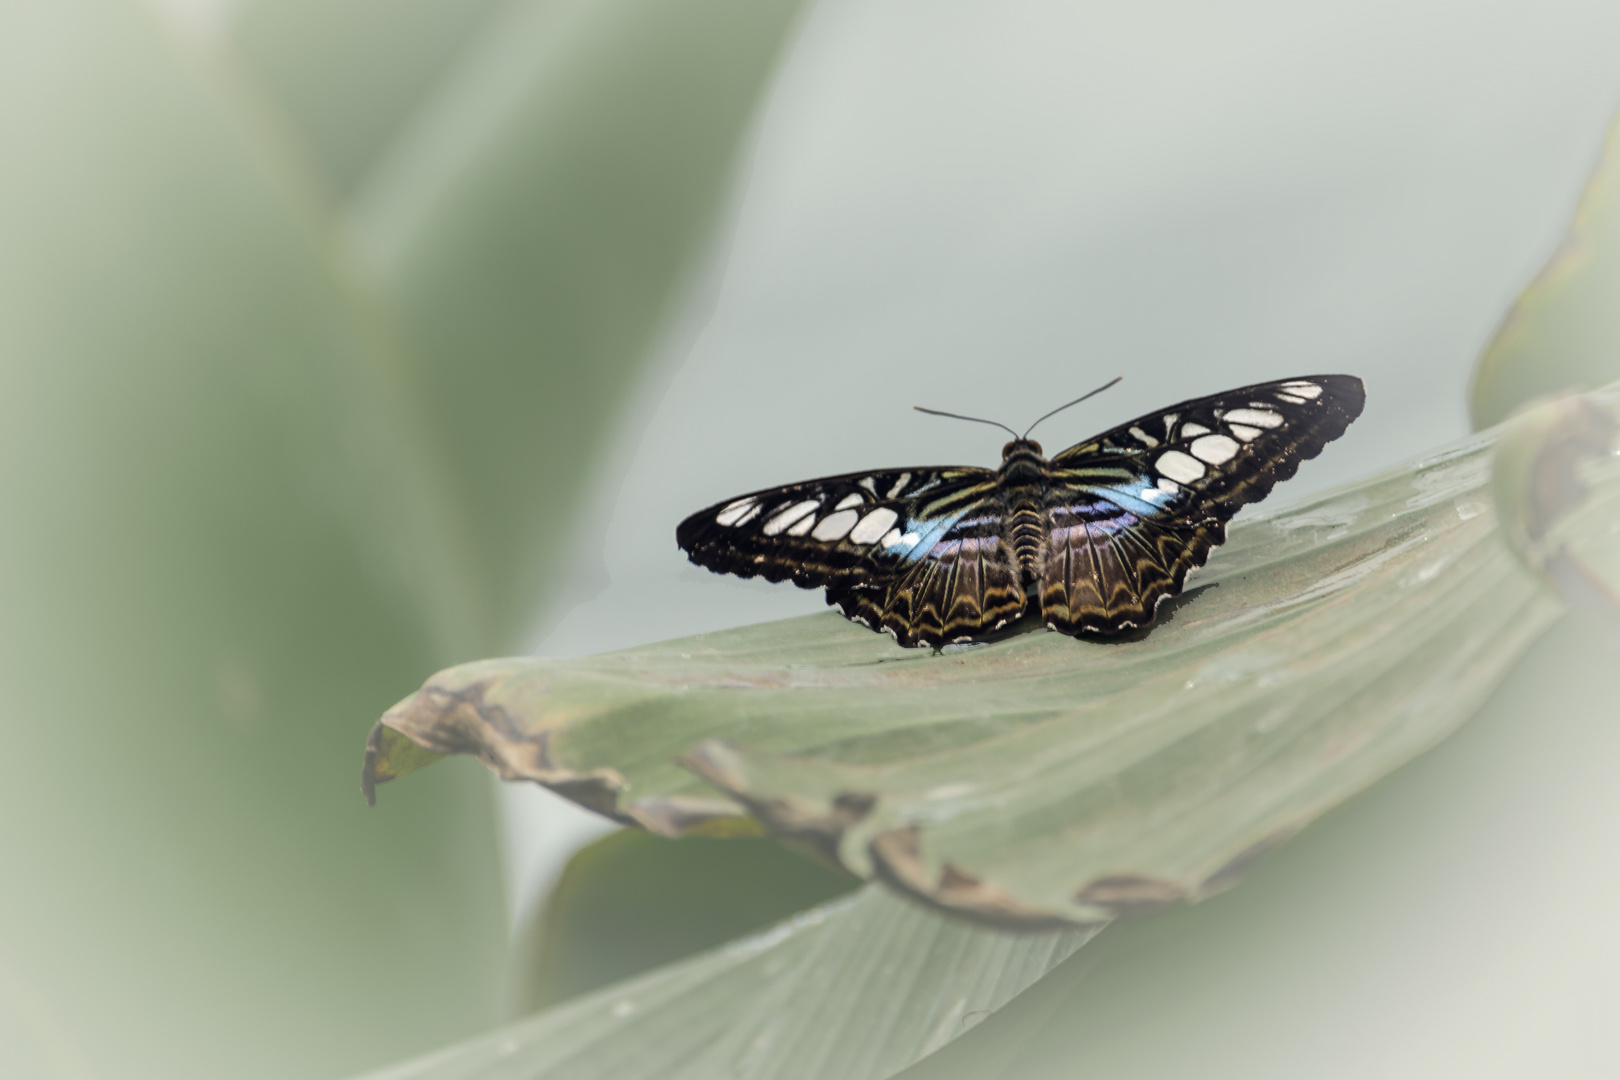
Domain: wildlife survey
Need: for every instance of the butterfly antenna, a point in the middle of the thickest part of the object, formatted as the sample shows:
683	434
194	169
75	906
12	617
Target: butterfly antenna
1076	401
958	416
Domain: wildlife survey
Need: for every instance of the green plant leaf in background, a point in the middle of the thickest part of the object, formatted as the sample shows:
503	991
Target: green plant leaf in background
632	901
527	184
532	228
1042	780
350	77
231	529
220	539
1563	332
856	989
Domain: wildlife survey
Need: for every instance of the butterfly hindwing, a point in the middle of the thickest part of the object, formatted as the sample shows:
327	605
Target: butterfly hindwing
1132	511
967	585
1104	575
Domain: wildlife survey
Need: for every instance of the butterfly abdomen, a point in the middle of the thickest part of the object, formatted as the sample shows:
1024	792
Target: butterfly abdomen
1027	534
1023	477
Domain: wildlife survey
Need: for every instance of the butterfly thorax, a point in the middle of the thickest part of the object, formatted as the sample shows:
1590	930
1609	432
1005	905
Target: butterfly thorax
1024	477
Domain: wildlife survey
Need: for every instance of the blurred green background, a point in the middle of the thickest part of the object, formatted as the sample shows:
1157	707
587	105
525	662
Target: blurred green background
292	419
343	341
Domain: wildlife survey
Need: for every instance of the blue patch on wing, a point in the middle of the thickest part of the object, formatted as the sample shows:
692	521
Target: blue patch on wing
921	536
1142	498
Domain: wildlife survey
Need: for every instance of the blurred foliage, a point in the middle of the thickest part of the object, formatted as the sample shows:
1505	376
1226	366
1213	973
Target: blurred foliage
632	901
219	545
1563	332
856	989
532	231
353	75
232	527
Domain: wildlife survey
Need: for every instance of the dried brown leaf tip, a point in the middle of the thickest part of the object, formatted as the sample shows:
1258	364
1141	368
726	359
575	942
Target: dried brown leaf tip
456	713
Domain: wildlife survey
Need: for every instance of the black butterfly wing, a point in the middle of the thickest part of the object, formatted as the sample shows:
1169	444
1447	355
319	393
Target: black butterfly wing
916	552
1132	511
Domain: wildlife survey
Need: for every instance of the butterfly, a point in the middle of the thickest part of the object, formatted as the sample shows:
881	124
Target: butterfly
1092	540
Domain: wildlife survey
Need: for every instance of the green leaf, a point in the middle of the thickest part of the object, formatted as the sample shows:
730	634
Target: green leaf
633	901
1360	949
1563	332
350	77
532	228
856	989
1043	780
221	543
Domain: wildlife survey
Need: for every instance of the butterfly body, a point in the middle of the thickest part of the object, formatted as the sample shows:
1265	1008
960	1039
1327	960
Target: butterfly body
1091	540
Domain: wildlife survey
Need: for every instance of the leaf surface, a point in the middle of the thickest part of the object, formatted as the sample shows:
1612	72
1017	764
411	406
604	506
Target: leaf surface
633	901
858	989
351	77
1563	332
222	540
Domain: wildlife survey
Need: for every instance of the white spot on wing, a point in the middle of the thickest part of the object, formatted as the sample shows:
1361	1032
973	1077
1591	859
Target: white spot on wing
734	511
1215	449
852	499
1304	389
1168	486
1247	434
899	485
1190	430
789	516
1290	398
1260	418
874	525
834	526
1144	438
1170	424
866	482
1178	466
803	525
892	538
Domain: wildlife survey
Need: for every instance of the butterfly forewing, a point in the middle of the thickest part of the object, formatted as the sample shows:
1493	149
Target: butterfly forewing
1133	510
841	530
